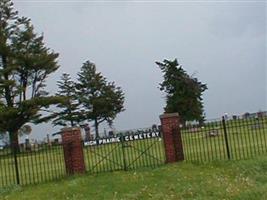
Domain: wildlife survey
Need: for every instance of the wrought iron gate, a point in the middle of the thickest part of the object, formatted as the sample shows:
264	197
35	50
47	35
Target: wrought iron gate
125	151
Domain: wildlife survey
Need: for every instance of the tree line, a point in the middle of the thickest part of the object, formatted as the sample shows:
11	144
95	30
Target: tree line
26	63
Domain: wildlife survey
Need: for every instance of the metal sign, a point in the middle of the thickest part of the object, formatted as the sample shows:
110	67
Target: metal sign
129	137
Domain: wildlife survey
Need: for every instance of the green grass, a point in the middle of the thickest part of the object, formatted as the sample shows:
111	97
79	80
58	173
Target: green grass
237	180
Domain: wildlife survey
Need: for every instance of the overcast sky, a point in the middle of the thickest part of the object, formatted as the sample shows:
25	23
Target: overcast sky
223	44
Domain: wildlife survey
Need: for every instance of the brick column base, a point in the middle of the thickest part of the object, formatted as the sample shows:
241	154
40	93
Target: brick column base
172	137
73	150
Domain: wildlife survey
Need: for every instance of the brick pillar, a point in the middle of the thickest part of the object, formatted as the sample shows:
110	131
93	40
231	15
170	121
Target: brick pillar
73	150
172	137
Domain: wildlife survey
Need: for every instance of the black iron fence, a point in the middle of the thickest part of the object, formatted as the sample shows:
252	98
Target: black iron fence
43	162
222	139
236	138
39	164
128	150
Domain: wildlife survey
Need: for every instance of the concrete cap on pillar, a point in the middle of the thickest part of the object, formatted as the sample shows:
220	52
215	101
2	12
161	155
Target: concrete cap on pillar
68	129
168	115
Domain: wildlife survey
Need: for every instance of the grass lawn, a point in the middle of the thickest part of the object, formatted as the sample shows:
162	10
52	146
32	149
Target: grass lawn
217	180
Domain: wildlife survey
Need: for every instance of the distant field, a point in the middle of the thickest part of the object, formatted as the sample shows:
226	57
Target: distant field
232	180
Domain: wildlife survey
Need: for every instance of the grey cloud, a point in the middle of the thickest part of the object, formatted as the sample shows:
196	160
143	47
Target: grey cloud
236	21
224	43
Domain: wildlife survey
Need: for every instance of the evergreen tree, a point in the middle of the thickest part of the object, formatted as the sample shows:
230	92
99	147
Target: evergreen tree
25	64
69	114
184	92
101	100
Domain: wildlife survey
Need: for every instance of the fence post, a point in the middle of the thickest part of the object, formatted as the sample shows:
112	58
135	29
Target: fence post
226	139
172	137
73	150
123	153
14	150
